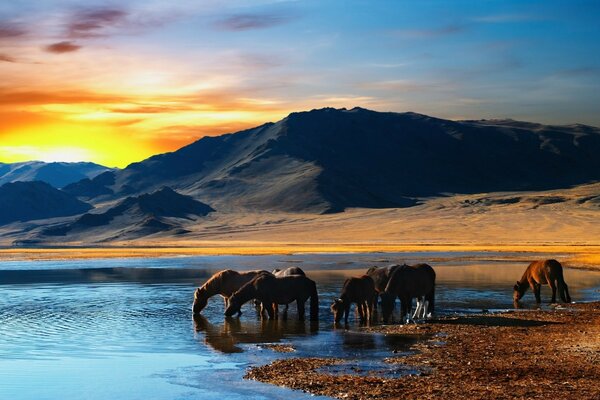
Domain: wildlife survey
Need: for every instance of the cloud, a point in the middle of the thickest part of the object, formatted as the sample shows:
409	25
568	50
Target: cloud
62	47
431	33
244	22
506	18
33	97
6	58
92	23
9	30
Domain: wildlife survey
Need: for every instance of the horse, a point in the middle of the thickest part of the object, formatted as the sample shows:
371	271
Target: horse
406	283
224	283
539	273
381	276
287	272
271	291
355	290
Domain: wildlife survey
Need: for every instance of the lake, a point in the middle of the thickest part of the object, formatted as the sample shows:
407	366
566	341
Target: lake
122	328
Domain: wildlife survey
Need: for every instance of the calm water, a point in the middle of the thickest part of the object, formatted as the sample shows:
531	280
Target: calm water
123	329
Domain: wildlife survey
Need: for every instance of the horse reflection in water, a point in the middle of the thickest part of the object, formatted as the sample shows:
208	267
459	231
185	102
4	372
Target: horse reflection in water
227	336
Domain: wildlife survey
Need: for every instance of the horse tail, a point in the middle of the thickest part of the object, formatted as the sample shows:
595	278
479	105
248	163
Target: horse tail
314	302
563	289
430	297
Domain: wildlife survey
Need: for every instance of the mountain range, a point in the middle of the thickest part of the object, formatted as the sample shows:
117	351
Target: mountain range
326	161
57	174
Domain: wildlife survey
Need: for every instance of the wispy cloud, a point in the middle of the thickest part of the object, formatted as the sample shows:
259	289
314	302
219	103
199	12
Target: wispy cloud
429	33
62	47
7	58
9	30
244	22
94	22
506	18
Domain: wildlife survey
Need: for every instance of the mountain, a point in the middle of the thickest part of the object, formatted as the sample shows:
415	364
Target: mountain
137	216
24	201
57	174
328	160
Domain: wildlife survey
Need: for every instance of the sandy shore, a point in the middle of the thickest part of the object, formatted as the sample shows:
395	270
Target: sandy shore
532	354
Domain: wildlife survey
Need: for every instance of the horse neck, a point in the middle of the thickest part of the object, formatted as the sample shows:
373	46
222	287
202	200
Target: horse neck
524	281
212	286
246	293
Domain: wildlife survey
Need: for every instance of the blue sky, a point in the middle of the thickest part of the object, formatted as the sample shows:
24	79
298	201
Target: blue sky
163	74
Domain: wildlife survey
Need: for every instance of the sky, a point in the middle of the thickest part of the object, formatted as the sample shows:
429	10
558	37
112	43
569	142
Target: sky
116	82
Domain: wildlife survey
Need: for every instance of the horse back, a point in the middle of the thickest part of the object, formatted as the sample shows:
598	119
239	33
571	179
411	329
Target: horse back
544	271
412	281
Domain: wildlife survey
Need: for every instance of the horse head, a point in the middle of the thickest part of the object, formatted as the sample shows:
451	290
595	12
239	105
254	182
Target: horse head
337	307
234	307
200	300
518	291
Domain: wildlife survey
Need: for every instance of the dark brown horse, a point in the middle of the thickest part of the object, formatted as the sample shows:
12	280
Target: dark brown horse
381	276
406	283
540	273
287	272
224	283
356	290
271	291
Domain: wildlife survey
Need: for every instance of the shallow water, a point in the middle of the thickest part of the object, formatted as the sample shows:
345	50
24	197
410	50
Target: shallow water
100	329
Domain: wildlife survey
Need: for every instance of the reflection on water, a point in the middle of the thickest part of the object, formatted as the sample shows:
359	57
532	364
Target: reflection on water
123	328
226	336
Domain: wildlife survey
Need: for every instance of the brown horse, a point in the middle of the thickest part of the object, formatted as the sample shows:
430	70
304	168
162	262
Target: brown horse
356	290
540	273
224	283
287	272
406	283
271	291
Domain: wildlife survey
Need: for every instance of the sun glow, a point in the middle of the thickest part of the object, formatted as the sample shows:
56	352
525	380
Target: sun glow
103	144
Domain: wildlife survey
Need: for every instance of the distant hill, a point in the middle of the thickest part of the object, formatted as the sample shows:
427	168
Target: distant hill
137	216
25	201
57	174
330	159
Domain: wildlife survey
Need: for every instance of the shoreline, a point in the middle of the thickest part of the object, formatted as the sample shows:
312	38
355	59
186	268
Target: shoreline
501	355
582	256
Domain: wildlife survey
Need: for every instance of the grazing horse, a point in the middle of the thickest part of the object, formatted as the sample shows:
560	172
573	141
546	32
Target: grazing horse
381	276
224	283
539	273
406	283
356	290
271	291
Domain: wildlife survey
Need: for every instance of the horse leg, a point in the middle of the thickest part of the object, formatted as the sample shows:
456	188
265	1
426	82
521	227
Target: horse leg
565	292
417	313
301	309
536	288
346	312
553	287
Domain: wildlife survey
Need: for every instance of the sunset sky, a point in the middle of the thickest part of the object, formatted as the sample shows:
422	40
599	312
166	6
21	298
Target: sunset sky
115	82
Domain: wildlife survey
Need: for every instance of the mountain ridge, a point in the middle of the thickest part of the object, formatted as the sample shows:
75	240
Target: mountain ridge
327	160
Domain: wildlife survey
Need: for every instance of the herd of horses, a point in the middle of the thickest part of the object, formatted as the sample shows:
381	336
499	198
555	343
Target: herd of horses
378	284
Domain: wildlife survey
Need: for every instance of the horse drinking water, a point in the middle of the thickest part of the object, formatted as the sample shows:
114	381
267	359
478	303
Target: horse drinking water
355	290
224	283
271	291
540	273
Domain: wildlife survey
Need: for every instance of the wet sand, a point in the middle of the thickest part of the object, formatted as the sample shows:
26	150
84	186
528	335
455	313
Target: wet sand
528	354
